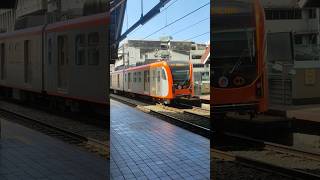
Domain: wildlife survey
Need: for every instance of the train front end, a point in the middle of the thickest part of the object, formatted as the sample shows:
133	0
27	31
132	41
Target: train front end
238	66
182	86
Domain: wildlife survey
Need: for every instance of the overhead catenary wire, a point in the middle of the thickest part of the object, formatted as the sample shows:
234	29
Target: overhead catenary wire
162	11
179	19
197	36
188	27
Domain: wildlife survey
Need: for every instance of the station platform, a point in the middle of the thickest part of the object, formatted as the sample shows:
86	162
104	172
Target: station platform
302	112
27	154
144	147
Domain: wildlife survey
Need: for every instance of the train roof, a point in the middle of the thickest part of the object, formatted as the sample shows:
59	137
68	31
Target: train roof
153	64
22	32
85	21
92	20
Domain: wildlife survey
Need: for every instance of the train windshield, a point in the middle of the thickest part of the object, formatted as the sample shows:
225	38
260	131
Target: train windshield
180	73
233	39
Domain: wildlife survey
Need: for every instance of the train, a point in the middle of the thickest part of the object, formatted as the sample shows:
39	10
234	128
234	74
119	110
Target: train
238	41
63	63
163	81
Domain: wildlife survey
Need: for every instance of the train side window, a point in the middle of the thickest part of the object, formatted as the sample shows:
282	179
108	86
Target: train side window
50	51
163	75
80	50
153	75
145	76
2	60
129	77
27	61
129	80
139	75
125	77
118	80
93	48
158	77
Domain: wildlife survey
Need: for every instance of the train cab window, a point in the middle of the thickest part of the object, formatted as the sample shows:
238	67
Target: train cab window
80	49
93	48
163	75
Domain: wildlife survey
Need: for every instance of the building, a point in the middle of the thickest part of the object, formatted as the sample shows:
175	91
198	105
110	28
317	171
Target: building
135	52
293	52
7	20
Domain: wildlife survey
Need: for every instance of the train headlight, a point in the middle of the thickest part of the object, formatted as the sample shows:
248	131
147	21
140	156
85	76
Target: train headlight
179	87
223	81
239	81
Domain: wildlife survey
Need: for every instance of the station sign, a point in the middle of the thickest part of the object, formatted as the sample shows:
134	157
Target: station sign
310	76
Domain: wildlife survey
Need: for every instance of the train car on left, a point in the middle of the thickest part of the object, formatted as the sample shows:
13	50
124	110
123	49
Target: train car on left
62	64
21	62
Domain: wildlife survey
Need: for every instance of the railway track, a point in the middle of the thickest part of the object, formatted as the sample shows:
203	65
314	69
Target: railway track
275	158
194	122
264	166
93	145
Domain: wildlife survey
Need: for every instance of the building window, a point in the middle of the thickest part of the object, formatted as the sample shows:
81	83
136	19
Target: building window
277	14
312	13
298	39
196	56
80	49
93	49
312	39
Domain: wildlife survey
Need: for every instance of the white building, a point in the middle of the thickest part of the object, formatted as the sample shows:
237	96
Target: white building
7	20
135	52
293	52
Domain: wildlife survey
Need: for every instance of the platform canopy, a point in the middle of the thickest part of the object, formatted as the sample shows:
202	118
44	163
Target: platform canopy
309	3
8	4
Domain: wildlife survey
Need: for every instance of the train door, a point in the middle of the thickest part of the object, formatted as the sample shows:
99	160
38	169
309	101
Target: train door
27	62
164	83
2	61
146	82
63	62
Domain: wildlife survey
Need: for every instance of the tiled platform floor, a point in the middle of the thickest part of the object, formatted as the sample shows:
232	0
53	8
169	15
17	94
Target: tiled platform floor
27	154
144	147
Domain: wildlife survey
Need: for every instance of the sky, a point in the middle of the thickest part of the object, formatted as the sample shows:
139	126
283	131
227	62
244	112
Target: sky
196	24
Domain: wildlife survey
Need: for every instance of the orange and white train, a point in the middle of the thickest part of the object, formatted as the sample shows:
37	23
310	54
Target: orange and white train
239	80
163	81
